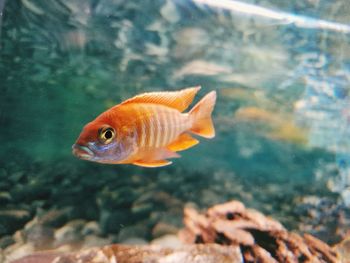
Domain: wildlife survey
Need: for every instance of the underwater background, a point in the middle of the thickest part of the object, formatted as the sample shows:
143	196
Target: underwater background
282	73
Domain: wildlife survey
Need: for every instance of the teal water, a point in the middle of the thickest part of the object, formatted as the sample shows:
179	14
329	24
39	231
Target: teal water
282	115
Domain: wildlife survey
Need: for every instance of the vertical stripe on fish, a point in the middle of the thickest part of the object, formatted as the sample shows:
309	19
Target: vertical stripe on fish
159	131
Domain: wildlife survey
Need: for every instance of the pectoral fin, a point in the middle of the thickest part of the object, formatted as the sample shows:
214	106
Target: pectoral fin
183	142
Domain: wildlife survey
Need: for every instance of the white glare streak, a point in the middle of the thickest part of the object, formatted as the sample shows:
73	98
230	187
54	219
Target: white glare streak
300	21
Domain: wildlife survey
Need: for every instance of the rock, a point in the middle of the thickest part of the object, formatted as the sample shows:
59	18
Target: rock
40	236
343	249
142	210
55	217
262	239
209	197
69	233
19	236
2	256
30	192
170	217
203	253
168	241
95	241
124	197
134	241
228	232
127	232
112	221
162	228
91	228
6	241
159	199
18	251
5	198
67	248
5	185
11	220
16	176
323	217
39	257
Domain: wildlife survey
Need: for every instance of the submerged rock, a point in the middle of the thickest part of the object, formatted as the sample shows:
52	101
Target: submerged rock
261	239
135	231
209	253
70	233
134	241
229	232
91	228
163	228
168	241
323	217
17	251
93	241
40	236
6	241
11	220
343	249
5	197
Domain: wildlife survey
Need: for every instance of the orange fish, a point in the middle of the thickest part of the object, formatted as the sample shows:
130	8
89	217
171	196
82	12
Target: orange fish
147	129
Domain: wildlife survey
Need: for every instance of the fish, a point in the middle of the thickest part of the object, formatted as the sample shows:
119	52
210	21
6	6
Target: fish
148	129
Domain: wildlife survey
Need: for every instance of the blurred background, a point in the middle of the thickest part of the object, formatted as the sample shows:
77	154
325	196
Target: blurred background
282	73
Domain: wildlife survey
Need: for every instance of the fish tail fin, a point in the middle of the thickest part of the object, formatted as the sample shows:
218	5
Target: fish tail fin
201	115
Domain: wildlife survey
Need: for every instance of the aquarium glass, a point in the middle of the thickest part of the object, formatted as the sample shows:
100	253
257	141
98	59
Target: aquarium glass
281	70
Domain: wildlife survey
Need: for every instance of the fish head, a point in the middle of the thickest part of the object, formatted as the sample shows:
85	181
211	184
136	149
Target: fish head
102	142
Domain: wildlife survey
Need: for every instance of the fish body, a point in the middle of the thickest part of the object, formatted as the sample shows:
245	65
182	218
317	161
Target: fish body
147	129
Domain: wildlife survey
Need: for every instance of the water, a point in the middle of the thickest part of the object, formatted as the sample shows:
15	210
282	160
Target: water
282	115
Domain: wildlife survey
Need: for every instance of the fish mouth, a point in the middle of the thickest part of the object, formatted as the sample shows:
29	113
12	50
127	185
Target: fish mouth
82	152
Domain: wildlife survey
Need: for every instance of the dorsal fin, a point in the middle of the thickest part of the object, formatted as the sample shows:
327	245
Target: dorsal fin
179	100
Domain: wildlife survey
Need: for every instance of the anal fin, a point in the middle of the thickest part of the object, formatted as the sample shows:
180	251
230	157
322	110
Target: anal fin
156	158
183	142
158	163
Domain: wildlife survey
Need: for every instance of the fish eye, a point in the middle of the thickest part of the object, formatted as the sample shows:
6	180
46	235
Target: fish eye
106	135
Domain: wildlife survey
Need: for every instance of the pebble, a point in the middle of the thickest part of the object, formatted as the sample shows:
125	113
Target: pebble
91	228
95	241
16	176
40	236
134	241
112	221
6	241
11	220
55	217
162	228
138	230
142	209
70	232
2	255
168	241
17	251
5	198
343	249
